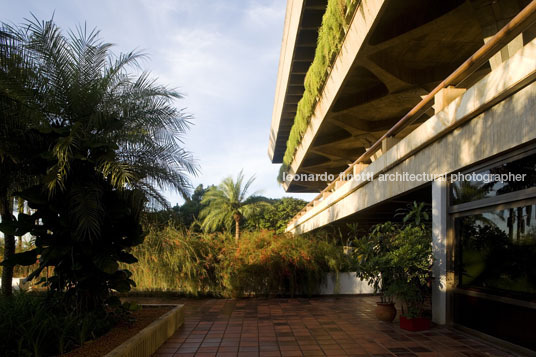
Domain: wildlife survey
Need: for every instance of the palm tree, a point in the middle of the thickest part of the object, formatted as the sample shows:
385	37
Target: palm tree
88	110
227	203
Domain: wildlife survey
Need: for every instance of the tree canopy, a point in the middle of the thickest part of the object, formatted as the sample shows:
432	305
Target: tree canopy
110	141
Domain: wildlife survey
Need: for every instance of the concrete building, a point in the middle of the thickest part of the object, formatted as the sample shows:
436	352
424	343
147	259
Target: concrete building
422	95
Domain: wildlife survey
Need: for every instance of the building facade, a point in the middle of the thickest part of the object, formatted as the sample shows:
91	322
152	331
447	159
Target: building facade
429	101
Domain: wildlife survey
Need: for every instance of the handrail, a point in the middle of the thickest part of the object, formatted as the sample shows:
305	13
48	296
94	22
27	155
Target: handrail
524	19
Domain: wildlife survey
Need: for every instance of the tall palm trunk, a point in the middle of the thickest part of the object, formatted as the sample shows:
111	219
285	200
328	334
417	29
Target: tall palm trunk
6	212
237	217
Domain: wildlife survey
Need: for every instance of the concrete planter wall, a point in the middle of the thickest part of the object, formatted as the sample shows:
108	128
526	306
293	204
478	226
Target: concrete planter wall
148	340
347	283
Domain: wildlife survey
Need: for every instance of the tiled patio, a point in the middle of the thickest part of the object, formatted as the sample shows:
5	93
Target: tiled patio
333	326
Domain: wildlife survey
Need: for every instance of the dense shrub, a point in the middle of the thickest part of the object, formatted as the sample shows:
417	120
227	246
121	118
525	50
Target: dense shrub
261	263
411	255
173	258
39	325
265	263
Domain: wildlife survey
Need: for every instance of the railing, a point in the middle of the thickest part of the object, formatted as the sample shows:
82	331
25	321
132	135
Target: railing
516	26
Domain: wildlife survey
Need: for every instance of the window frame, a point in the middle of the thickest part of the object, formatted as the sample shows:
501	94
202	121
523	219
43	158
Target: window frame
504	201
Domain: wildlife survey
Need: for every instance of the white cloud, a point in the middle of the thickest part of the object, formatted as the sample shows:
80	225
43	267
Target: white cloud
262	16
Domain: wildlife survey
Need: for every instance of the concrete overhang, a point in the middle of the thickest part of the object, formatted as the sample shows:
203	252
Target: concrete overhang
468	130
394	53
302	20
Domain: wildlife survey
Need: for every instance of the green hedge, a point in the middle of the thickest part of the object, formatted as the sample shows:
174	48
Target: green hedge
330	37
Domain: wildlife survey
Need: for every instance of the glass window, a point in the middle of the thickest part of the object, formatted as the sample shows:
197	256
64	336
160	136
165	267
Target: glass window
503	178
497	251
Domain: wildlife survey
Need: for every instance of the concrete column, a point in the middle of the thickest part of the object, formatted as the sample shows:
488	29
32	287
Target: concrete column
439	248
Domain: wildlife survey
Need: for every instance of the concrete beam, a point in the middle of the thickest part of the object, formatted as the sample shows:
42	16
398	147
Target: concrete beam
388	59
358	168
339	184
388	143
445	96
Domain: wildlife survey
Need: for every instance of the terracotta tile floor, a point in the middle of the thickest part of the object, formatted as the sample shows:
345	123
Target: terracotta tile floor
330	326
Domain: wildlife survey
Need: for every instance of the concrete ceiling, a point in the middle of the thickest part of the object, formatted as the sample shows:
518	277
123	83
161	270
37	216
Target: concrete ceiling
412	46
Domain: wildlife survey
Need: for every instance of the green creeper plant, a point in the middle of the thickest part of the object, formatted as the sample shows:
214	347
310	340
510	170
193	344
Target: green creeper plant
331	34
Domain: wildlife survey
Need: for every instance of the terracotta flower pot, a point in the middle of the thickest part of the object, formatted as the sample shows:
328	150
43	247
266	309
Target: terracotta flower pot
385	311
414	324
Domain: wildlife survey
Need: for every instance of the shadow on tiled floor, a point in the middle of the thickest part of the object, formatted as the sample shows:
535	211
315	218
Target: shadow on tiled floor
328	326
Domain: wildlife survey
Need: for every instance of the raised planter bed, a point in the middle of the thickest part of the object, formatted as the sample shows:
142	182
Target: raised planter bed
148	340
157	322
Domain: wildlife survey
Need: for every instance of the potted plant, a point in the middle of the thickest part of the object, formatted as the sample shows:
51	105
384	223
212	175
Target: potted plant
374	266
410	258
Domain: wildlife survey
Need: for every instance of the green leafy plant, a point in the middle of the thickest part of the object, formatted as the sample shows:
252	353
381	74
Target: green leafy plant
373	261
411	258
85	266
415	213
173	258
396	259
276	215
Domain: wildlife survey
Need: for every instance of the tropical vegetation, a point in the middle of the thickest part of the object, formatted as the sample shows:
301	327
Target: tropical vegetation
109	140
173	258
87	143
276	215
396	259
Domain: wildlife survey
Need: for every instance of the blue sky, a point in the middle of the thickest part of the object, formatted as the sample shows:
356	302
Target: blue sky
221	54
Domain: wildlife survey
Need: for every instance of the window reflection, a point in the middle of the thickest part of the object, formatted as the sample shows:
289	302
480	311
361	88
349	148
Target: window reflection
497	251
473	190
